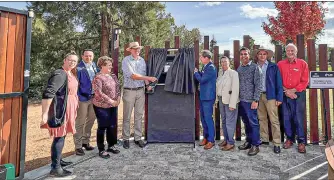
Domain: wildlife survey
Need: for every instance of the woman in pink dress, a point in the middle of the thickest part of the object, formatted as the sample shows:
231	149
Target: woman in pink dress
106	98
59	110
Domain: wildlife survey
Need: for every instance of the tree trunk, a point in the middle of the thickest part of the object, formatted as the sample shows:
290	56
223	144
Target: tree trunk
104	51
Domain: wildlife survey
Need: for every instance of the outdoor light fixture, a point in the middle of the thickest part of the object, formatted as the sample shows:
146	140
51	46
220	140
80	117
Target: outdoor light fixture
117	31
31	13
114	42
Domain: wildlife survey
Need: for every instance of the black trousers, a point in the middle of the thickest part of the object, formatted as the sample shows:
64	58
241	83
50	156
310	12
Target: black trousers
56	150
106	122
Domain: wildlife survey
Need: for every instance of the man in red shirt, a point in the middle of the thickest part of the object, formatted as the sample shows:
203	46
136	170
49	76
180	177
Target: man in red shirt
295	77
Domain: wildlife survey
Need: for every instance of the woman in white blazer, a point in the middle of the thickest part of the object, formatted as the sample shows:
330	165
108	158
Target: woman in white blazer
228	98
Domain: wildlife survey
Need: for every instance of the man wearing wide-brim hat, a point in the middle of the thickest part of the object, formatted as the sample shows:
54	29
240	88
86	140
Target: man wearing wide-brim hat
271	97
134	81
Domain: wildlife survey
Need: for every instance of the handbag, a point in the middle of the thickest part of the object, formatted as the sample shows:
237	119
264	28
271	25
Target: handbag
53	120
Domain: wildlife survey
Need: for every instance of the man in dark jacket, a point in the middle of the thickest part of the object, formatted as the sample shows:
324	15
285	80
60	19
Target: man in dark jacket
207	80
271	97
86	115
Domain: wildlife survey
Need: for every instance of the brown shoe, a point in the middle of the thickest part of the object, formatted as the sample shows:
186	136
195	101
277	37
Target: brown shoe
228	147
209	145
222	144
287	144
301	148
204	142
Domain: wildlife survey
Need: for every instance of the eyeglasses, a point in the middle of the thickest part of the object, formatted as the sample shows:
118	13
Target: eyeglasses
244	54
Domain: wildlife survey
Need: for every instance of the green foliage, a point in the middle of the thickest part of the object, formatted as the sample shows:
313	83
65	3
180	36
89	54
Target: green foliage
59	27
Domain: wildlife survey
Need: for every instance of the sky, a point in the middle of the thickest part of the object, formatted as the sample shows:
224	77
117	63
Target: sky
228	21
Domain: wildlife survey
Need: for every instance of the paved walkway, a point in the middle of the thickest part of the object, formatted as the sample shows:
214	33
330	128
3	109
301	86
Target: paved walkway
182	161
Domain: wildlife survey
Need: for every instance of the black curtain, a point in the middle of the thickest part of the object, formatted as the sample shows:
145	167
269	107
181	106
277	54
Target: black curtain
180	76
156	62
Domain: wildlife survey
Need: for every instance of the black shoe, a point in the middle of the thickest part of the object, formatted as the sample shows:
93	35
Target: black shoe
103	155
79	152
113	150
245	146
60	172
126	144
88	147
253	151
140	143
277	149
65	163
264	143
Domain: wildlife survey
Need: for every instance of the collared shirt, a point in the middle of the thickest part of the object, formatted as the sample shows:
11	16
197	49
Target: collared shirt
249	63
264	71
295	74
131	66
250	80
91	70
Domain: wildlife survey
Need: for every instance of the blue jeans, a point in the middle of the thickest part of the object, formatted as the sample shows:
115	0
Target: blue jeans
206	109
56	150
293	117
252	127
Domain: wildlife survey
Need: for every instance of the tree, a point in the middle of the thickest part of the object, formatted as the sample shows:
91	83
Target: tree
59	27
295	18
187	37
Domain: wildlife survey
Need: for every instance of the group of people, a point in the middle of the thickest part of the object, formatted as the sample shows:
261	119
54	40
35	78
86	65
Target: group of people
254	92
80	92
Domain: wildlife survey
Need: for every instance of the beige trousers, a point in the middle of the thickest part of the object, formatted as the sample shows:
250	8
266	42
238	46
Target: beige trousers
268	107
133	99
330	172
84	123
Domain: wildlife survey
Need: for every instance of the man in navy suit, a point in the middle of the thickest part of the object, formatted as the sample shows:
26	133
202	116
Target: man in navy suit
207	81
84	122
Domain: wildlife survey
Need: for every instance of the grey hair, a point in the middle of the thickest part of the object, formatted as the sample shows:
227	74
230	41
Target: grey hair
291	45
206	53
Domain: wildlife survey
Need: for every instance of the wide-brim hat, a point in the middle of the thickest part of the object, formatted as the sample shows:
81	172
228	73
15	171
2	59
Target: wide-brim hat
270	53
134	45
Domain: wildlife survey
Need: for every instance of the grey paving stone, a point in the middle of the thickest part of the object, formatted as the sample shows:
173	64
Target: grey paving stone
182	161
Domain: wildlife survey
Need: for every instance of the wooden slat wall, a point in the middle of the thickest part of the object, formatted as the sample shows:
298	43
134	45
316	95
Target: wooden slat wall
197	108
236	54
12	50
311	56
323	64
7	118
313	96
216	108
3	62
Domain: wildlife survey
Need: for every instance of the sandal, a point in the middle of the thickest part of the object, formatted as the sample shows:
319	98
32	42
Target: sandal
104	155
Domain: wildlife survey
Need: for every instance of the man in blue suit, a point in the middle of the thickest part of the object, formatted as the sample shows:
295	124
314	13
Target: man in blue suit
207	81
86	71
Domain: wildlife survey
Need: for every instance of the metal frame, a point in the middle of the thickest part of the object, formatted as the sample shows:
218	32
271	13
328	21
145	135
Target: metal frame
25	92
25	96
2	8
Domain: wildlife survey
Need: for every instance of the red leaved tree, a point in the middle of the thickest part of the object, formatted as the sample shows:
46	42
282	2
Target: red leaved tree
295	18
